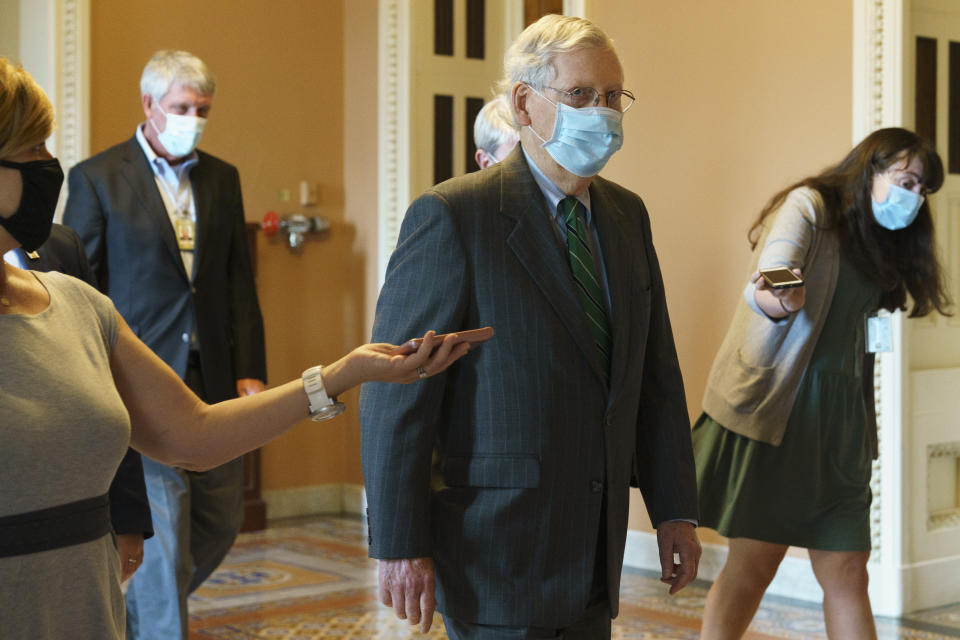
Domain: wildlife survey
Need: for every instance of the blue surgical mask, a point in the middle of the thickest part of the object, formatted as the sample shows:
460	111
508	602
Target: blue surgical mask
898	210
182	133
583	140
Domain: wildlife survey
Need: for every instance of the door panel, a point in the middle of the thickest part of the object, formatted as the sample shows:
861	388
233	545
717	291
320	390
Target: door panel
457	56
935	48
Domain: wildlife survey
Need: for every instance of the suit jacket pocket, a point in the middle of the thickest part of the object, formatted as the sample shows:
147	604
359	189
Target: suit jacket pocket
492	471
747	384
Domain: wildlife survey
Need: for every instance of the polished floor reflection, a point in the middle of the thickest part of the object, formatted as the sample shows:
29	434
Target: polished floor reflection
312	579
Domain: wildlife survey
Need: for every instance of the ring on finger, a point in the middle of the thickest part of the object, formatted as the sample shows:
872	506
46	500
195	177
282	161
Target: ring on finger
421	372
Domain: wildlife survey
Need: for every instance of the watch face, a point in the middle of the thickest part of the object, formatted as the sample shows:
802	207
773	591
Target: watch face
328	411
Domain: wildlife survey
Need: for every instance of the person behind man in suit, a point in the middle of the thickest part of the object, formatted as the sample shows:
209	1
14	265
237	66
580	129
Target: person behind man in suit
129	508
164	229
540	432
494	132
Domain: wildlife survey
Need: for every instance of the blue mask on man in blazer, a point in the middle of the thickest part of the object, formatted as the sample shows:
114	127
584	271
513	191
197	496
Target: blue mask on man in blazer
583	139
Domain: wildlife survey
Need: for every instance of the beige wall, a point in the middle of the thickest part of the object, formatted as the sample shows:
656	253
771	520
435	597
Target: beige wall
735	100
279	115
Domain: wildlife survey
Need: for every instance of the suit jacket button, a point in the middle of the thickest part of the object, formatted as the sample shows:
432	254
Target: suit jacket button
185	337
596	486
609	421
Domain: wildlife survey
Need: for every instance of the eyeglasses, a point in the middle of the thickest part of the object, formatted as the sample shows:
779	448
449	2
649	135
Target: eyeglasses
580	97
905	180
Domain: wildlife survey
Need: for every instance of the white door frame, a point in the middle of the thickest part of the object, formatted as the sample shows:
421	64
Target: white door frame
394	57
55	49
879	34
900	582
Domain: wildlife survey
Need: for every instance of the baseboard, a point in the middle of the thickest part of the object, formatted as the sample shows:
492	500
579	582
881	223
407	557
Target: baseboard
931	584
354	500
794	579
325	499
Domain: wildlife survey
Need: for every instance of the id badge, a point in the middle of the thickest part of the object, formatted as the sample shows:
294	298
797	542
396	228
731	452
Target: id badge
879	334
184	228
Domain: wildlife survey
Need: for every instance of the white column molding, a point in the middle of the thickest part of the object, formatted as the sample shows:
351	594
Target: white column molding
55	49
393	126
512	20
880	31
73	103
878	48
578	8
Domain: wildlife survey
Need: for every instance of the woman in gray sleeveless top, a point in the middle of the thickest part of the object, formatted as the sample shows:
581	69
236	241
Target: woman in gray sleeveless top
77	386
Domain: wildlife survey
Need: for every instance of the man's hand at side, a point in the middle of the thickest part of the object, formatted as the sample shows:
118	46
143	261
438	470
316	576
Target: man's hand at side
407	586
678	537
249	386
130	550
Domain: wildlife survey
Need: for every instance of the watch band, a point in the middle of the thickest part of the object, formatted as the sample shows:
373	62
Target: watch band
322	406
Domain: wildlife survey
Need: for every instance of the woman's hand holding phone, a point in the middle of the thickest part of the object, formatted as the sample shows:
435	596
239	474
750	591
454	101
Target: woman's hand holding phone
473	336
779	301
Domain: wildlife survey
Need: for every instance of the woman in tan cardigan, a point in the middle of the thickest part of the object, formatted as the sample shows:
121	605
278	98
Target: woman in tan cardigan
785	443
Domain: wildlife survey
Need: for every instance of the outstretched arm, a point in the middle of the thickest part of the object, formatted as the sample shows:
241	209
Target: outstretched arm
172	425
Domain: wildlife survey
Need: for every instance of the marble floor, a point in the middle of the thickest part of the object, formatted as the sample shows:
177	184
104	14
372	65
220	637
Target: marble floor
312	579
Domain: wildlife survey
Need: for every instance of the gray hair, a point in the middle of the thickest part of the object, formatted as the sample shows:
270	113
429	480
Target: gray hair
495	125
530	58
168	67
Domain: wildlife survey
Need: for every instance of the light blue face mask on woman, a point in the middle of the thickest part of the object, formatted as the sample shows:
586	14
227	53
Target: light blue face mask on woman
583	139
899	209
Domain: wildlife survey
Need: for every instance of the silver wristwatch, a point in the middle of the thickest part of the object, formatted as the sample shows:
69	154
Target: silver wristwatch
322	406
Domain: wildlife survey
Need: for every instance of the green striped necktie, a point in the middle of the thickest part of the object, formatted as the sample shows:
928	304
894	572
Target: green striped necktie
589	287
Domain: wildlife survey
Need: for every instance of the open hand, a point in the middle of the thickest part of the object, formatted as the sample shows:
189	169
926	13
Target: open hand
384	362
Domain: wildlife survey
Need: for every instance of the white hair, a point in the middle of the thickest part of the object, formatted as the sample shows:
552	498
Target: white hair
530	58
495	125
167	67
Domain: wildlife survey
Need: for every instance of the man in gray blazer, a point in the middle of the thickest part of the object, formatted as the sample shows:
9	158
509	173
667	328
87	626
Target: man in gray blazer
502	485
164	229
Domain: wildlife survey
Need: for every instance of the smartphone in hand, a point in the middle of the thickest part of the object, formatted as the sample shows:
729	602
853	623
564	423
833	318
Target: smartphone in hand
781	278
473	336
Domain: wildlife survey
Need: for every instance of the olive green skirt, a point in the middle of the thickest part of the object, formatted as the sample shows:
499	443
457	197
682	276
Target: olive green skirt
813	490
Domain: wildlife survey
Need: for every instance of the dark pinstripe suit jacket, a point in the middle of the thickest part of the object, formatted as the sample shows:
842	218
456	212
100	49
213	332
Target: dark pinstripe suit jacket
530	438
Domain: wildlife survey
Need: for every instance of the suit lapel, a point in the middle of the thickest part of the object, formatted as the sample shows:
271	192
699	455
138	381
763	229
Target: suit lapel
617	257
203	203
534	242
137	172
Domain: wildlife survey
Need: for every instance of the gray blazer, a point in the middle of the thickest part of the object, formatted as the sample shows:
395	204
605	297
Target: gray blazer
532	446
116	209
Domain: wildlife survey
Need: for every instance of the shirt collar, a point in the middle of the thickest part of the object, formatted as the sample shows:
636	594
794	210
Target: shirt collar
160	165
552	192
15	258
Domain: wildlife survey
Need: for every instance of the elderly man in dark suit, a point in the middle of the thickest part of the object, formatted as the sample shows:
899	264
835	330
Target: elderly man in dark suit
129	508
536	437
163	227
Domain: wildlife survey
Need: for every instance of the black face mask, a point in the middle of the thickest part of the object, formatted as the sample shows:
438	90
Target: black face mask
30	224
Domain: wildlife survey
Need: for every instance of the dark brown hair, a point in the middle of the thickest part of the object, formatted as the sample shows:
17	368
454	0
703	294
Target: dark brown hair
899	262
